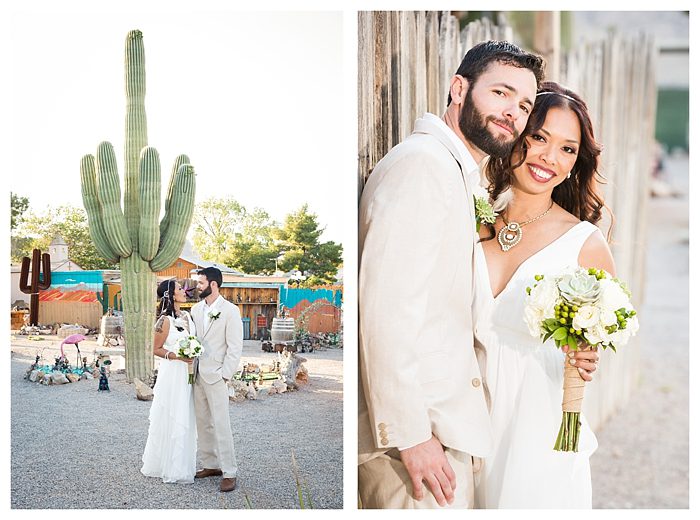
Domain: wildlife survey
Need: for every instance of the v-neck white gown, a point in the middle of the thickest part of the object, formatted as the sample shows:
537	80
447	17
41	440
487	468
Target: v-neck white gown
524	378
171	447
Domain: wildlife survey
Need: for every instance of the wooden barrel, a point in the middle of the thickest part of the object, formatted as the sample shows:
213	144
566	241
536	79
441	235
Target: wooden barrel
282	329
17	319
112	326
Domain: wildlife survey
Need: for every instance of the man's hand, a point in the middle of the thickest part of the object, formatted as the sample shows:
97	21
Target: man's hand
586	361
426	462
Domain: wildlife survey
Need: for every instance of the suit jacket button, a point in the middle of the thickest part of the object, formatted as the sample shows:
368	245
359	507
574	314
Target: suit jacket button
476	382
381	425
384	441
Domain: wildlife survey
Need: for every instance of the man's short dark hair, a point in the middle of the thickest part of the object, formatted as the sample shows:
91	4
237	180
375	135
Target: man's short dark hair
213	275
479	57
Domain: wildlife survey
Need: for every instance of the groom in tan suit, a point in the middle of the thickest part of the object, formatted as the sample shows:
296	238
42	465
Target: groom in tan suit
422	406
220	331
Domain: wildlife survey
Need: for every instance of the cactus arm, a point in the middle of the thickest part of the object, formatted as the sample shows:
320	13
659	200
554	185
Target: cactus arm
179	161
93	209
181	209
102	298
46	269
109	195
24	277
149	198
136	137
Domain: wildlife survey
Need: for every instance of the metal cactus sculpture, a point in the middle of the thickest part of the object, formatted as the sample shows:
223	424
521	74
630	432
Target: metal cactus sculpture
41	264
134	238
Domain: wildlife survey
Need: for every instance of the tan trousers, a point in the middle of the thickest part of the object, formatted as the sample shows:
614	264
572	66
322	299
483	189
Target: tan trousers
214	436
384	483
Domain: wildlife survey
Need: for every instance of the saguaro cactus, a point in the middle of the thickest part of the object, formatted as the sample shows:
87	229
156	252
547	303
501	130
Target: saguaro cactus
40	264
134	237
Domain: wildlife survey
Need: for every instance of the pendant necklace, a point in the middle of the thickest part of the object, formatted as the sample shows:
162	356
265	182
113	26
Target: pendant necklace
512	232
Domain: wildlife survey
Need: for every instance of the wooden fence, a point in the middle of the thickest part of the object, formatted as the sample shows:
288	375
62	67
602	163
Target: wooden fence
617	78
405	62
85	314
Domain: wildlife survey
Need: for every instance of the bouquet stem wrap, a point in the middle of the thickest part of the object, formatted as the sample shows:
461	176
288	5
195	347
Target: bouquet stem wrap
190	373
574	387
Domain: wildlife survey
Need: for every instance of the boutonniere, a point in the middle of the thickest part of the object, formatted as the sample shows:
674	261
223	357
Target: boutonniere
214	315
483	210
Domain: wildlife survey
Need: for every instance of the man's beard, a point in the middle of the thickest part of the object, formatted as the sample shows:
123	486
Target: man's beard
206	292
473	125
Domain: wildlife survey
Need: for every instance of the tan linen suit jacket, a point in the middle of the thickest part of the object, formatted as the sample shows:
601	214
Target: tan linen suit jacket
418	368
222	342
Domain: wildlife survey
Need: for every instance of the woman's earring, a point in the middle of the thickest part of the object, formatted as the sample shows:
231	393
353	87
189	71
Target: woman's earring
568	176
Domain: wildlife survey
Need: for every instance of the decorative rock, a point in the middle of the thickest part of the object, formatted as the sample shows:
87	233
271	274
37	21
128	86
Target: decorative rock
73	377
252	393
68	330
237	390
263	392
279	386
34	375
59	378
143	391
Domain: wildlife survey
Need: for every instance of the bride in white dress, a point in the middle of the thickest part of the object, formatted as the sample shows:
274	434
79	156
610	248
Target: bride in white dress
171	447
552	173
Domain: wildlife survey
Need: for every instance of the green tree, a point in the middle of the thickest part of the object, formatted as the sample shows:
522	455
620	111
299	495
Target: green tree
216	222
37	230
254	250
299	241
18	206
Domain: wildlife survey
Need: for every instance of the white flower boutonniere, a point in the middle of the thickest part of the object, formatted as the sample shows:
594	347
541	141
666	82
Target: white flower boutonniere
483	210
214	315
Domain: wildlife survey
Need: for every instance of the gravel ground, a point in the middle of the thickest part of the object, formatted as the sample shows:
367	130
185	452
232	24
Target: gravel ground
74	447
642	461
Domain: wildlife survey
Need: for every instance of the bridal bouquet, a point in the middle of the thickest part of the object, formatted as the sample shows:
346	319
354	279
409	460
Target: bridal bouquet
582	308
190	348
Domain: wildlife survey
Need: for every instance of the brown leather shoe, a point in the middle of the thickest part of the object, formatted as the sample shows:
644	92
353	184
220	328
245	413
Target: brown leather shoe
204	473
228	484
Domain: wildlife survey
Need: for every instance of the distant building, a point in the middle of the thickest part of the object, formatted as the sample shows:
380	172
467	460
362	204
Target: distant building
58	250
188	263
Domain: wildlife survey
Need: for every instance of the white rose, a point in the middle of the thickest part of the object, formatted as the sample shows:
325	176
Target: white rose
544	297
612	296
608	317
587	317
619	338
534	318
595	335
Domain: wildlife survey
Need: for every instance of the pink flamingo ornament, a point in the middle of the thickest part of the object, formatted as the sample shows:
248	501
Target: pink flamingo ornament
73	339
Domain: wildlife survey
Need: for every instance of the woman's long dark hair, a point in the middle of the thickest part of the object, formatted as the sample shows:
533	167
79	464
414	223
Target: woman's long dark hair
578	194
166	293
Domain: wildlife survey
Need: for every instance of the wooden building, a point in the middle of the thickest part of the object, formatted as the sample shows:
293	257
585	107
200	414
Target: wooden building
257	297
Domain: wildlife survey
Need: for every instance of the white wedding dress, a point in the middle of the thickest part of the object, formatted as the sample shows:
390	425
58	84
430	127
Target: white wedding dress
524	378
171	447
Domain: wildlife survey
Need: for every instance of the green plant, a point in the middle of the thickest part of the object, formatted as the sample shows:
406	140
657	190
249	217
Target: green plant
133	237
302	486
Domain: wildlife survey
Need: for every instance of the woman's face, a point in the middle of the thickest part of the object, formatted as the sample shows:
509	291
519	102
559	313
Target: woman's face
180	295
551	154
